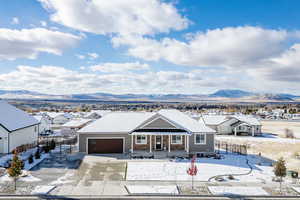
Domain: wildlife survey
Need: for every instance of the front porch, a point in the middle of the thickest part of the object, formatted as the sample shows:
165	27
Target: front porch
157	145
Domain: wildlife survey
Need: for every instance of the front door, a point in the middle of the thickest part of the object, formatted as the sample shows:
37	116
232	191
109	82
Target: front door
158	142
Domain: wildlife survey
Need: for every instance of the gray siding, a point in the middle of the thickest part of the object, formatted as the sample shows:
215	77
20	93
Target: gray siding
208	147
159	123
83	139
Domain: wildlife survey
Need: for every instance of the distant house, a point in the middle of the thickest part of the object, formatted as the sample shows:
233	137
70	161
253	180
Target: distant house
96	114
16	128
44	125
233	124
58	117
76	123
167	130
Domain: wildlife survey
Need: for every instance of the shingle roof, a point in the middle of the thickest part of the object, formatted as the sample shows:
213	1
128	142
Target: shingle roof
12	118
76	122
118	122
248	119
185	121
214	119
125	122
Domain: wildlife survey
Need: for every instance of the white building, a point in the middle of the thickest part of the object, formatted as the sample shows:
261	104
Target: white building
58	117
44	125
233	124
16	128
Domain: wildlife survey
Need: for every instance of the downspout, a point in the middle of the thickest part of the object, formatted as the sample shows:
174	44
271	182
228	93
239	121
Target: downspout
8	141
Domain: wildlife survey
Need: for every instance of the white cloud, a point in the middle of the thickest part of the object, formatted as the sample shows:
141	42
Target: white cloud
93	55
43	23
283	68
79	56
116	16
59	80
15	20
28	43
230	47
119	67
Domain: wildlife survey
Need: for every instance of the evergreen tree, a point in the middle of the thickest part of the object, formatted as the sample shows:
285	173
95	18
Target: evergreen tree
280	170
15	169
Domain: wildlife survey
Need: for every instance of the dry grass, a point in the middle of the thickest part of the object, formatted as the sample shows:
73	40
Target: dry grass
278	127
272	149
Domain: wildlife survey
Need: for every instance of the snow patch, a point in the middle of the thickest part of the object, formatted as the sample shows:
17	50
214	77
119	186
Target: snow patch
152	189
42	189
232	190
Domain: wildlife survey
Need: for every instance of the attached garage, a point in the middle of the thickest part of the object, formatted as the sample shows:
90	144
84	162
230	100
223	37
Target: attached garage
105	145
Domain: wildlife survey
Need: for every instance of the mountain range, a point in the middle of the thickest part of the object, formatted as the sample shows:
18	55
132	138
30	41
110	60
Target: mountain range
220	95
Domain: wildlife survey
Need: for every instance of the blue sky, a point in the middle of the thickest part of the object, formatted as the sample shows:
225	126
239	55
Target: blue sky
150	46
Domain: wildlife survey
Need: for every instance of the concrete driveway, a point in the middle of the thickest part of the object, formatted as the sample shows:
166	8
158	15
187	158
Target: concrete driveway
97	175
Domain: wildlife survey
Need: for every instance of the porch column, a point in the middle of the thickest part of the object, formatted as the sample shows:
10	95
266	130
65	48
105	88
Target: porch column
188	144
169	143
235	131
131	143
150	143
253	131
185	143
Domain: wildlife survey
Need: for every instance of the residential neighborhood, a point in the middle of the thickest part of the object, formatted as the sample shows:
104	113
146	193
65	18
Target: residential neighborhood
150	99
125	146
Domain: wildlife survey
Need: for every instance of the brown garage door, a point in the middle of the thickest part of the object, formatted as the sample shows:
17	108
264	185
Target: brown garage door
105	146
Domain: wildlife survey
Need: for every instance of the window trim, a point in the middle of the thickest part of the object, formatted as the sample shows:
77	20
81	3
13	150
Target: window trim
145	141
195	139
176	142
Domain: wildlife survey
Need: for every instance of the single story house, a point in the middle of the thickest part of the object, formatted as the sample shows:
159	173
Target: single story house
58	117
16	128
129	132
233	124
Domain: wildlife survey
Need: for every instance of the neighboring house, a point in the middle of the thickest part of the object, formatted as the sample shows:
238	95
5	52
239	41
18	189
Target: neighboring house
44	125
295	116
16	128
235	124
96	114
166	130
72	126
58	117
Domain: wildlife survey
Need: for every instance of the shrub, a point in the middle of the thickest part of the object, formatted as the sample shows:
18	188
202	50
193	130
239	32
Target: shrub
230	177
46	148
30	159
52	144
288	133
37	154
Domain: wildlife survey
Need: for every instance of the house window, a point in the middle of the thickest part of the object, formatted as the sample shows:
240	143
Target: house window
200	139
35	129
176	139
141	139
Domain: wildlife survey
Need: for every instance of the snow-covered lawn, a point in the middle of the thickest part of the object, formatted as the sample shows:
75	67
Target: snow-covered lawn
236	190
152	189
207	167
23	156
264	138
29	178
